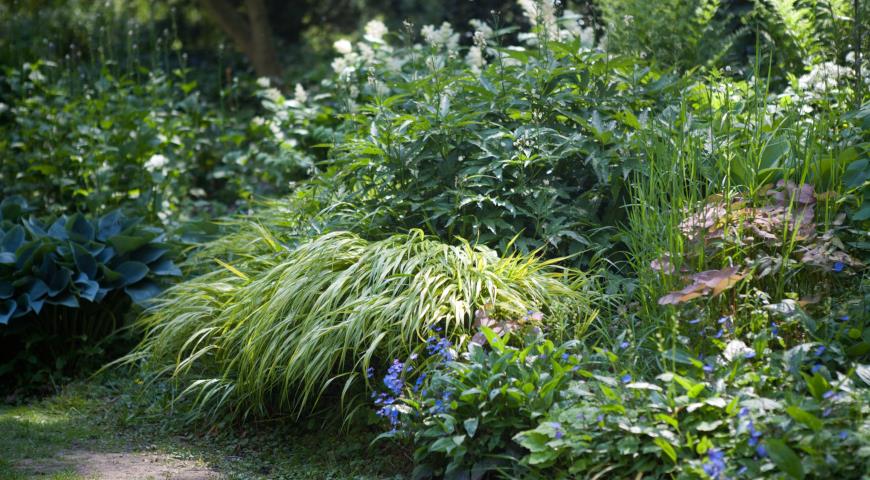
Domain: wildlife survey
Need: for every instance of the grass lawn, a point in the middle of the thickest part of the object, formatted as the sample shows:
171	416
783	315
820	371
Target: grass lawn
108	421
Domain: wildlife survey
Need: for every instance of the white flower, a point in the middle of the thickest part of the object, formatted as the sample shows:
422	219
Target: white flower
299	94
156	162
263	82
375	31
343	46
366	52
541	13
735	349
482	27
474	59
442	36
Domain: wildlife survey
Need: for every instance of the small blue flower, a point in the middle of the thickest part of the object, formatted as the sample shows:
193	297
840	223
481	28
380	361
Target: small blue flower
715	464
829	394
743	412
749	355
844	318
708	368
370	372
761	451
723	320
838	267
820	350
558	429
624	344
695	321
600	418
774	329
742	470
843	435
626	378
565	357
827	412
719	333
816	368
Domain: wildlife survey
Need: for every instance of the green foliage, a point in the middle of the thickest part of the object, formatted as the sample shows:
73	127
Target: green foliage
283	329
147	139
743	411
674	33
64	284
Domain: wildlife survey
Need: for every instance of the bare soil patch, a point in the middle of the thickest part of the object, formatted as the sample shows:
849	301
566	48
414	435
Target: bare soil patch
123	465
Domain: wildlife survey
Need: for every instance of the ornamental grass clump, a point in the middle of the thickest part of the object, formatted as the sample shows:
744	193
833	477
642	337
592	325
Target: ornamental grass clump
279	337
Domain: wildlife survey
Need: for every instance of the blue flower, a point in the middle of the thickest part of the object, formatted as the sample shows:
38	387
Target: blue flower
761	451
774	328
419	382
838	267
565	357
843	435
749	355
558	429
600	418
844	318
393	378
436	346
719	333
816	368
715	464
626	378
624	344
829	394
743	412
820	350
827	412
708	368
695	321
754	435
370	372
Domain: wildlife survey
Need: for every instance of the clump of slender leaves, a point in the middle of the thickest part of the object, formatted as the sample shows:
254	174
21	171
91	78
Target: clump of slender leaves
284	329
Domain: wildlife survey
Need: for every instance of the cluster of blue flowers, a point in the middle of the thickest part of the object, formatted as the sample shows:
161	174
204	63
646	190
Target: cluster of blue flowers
754	435
715	464
439	346
388	400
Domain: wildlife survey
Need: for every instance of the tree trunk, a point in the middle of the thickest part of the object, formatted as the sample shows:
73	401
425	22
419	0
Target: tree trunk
252	35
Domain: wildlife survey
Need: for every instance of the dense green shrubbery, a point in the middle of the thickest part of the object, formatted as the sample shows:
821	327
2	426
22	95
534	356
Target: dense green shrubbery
146	139
64	286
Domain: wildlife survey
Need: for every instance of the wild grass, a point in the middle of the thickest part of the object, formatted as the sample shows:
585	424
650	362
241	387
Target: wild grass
279	330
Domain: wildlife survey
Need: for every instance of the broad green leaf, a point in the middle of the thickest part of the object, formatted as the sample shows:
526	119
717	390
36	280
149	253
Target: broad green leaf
667	448
785	458
805	417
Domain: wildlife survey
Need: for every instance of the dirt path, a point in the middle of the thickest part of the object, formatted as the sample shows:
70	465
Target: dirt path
121	466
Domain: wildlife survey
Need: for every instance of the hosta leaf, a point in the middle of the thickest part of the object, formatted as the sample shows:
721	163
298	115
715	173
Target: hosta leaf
13	239
87	288
84	261
7	258
125	244
7	310
79	228
109	225
166	267
148	254
67	300
57	230
60	280
131	272
143	291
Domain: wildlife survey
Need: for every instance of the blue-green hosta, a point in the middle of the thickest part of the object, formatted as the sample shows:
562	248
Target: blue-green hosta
73	259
